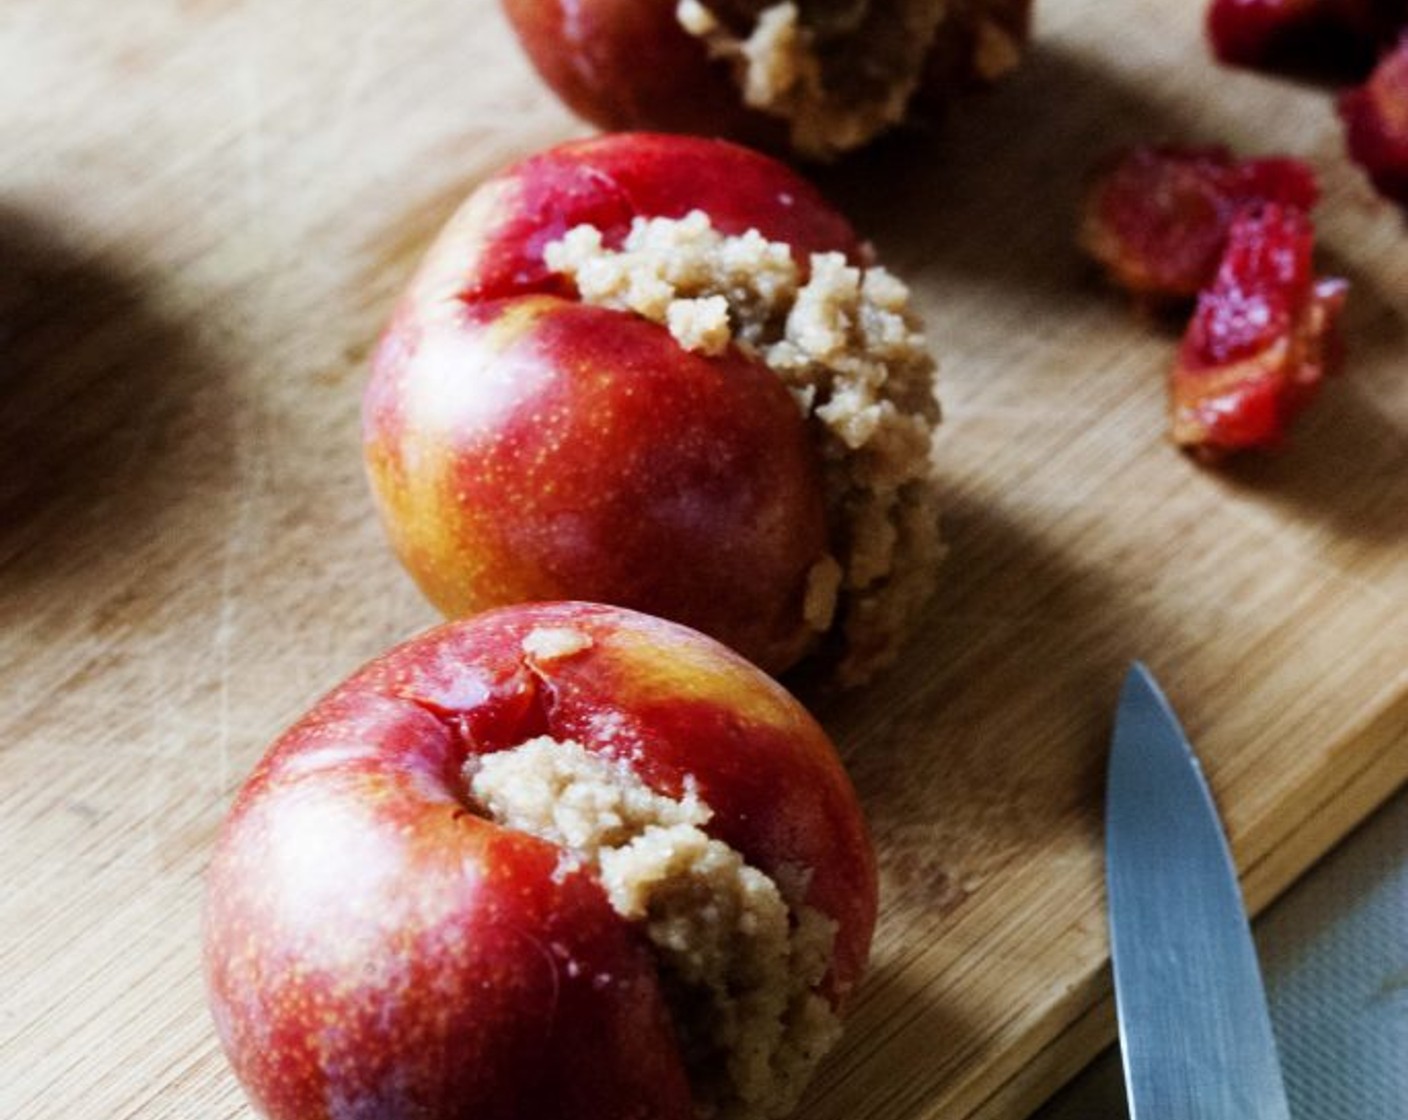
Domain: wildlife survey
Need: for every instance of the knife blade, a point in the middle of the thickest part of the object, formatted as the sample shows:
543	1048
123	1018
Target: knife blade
1195	1034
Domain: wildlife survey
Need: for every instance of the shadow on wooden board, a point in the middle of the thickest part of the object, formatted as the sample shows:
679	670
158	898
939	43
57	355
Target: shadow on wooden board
99	392
928	743
992	193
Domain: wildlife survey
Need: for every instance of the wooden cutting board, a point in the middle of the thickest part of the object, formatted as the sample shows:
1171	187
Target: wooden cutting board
207	208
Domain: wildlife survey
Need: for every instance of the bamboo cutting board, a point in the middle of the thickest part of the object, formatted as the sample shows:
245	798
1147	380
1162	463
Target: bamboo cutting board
207	209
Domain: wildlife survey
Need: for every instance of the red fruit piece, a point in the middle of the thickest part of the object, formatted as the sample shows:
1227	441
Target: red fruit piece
1376	124
1157	218
1333	38
1262	338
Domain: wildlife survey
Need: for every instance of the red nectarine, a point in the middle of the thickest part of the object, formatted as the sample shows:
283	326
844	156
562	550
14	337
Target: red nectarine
560	860
653	371
814	76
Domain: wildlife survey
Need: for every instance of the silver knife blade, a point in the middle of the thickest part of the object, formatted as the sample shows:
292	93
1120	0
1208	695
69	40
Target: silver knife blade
1195	1034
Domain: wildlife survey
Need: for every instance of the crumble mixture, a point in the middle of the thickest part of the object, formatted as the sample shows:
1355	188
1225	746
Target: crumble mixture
849	348
838	71
554	643
739	967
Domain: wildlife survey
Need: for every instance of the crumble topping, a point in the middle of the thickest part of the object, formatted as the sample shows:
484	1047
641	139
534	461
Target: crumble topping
553	643
838	74
996	51
851	351
740	961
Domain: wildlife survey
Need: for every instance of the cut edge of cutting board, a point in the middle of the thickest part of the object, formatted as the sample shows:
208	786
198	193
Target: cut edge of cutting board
1081	1026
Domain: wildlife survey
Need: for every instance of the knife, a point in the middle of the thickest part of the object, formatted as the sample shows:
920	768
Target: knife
1195	1035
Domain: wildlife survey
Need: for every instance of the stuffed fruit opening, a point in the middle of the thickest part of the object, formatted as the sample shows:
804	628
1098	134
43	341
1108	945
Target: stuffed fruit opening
847	344
740	967
838	71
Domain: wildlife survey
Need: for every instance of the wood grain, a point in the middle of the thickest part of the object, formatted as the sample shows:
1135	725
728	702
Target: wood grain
207	208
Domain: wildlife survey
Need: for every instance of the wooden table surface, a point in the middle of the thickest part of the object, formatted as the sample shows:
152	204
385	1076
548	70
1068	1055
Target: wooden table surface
206	209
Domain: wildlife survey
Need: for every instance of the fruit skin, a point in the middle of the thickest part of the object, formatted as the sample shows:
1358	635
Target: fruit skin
522	446
1156	217
1334	39
375	948
1263	337
1375	117
628	64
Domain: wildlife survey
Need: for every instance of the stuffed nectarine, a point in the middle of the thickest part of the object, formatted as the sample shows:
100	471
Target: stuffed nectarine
659	372
813	76
560	860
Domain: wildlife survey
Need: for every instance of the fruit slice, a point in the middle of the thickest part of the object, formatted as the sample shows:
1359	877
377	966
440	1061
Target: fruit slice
1336	39
1376	124
1157	217
1263	337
